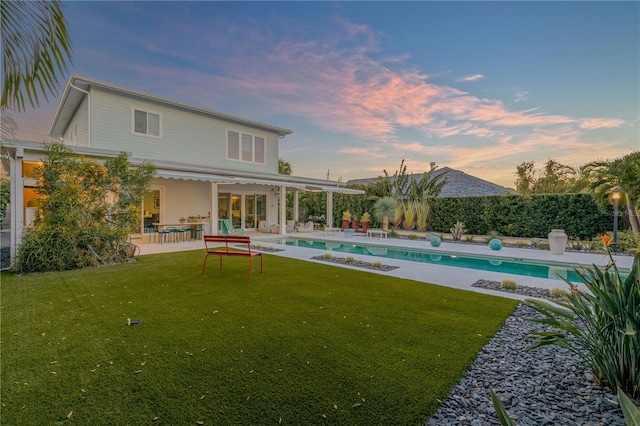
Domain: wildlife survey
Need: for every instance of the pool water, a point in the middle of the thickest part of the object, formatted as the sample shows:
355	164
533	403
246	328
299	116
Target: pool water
489	263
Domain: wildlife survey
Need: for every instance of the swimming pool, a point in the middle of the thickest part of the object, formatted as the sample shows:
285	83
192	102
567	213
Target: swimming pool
524	267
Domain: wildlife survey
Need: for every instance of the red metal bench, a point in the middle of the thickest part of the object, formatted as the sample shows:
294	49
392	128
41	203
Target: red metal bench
212	244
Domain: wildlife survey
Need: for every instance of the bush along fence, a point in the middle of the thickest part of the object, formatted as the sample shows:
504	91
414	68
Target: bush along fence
531	216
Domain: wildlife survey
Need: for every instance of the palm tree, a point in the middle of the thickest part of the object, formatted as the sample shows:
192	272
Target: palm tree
383	209
35	48
622	173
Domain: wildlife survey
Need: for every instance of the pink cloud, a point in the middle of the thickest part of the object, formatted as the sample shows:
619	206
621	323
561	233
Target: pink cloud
599	123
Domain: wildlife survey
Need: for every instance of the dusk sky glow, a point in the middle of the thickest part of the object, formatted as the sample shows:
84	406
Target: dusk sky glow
475	86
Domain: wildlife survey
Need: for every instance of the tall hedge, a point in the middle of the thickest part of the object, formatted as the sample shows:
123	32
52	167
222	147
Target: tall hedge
522	215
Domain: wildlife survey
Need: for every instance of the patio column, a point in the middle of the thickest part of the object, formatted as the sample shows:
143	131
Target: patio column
329	215
16	201
283	210
214	208
295	206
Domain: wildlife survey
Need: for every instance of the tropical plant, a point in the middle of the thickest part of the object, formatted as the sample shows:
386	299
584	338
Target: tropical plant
422	214
409	208
35	48
87	211
621	173
383	209
346	215
398	213
365	218
457	231
284	167
605	322
5	196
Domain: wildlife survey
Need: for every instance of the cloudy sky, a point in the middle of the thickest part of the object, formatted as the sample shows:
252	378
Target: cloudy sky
477	86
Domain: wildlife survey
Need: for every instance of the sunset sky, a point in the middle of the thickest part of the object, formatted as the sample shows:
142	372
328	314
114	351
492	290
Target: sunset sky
476	86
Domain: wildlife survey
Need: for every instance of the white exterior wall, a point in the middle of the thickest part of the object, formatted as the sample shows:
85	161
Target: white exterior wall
183	198
77	134
186	137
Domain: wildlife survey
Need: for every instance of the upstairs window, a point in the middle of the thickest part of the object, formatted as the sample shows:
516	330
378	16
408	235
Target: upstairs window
245	147
146	123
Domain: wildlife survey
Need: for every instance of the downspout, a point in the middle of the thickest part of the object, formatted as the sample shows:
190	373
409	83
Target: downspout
88	111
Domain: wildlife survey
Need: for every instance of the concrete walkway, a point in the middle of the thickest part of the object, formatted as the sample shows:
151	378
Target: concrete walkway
460	278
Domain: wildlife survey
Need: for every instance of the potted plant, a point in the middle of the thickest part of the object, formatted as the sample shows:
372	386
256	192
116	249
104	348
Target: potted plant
346	219
365	219
355	223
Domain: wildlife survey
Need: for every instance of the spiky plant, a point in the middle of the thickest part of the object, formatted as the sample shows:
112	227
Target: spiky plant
457	231
422	215
383	209
409	208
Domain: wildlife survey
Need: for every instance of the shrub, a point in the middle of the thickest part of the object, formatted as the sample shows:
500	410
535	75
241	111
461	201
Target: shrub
558	292
350	259
604	322
413	237
377	264
327	256
457	231
392	234
509	285
522	244
469	238
258	246
543	245
271	248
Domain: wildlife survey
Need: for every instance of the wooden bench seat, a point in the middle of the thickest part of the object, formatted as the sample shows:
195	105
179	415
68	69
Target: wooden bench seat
213	246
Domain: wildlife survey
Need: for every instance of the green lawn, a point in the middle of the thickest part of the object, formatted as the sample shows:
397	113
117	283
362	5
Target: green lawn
302	343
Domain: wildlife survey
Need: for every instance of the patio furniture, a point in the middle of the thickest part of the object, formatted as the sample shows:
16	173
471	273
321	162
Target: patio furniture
305	227
349	232
291	224
215	240
377	233
265	227
332	231
226	228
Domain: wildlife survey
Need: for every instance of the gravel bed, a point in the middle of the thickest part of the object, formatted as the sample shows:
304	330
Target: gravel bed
357	263
546	386
524	290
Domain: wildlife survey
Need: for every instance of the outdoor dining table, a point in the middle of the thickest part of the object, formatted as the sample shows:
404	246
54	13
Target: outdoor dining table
184	226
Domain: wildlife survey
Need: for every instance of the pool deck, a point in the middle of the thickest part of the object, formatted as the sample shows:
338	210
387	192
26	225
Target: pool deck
460	278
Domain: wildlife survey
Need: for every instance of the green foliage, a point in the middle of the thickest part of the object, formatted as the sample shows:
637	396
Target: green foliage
558	292
87	212
392	233
542	245
629	410
383	209
605	321
509	285
350	259
412	237
522	244
35	48
5	196
457	231
422	214
523	216
501	412
284	167
377	264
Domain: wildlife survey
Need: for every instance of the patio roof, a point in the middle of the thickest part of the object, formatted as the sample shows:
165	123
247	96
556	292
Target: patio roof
291	184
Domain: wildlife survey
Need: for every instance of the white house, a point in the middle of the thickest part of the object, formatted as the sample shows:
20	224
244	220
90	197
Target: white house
210	165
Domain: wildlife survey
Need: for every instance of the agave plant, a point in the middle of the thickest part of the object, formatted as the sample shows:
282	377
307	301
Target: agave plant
605	322
409	208
457	231
422	215
397	215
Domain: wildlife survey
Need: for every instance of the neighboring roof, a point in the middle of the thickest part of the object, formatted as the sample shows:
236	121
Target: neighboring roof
459	184
78	85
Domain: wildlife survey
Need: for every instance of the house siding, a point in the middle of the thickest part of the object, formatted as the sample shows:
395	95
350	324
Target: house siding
186	137
77	134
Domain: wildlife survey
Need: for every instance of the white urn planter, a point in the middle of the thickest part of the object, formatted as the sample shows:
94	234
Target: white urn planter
557	241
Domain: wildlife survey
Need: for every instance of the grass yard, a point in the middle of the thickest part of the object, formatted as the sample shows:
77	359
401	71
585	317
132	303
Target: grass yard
302	343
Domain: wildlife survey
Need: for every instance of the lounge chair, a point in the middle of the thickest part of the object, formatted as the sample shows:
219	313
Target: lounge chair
265	227
305	227
226	228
